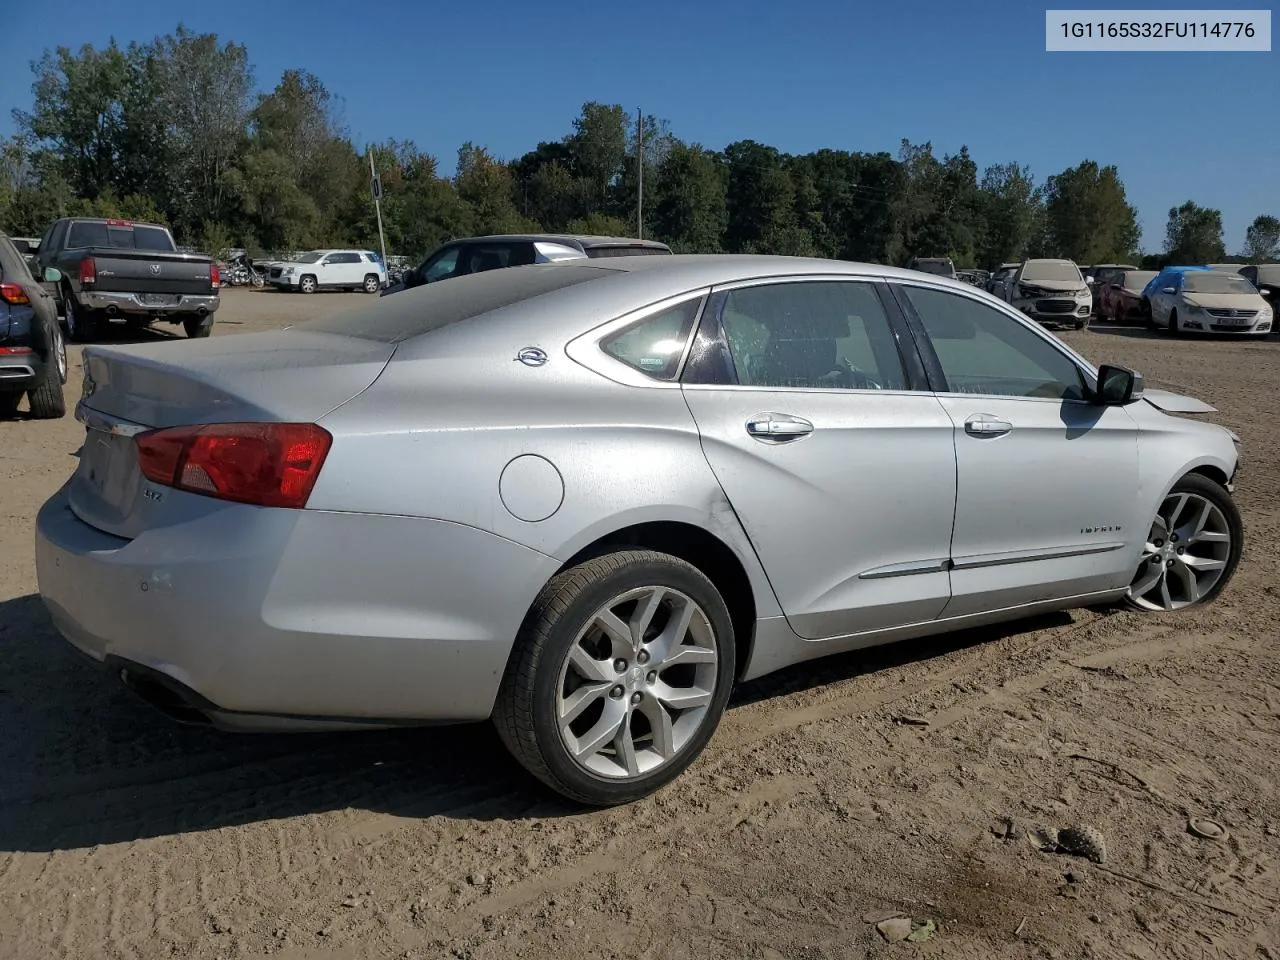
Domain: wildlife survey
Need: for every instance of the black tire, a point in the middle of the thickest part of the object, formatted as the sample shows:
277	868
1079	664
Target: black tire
1080	324
1202	486
1148	318
81	323
371	283
525	711
9	404
196	327
1170	329
47	400
307	284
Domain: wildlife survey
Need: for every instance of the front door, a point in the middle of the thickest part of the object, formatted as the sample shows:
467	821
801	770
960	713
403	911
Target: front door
1047	483
842	476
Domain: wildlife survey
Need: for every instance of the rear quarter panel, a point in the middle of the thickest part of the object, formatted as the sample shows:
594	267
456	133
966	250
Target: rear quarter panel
433	436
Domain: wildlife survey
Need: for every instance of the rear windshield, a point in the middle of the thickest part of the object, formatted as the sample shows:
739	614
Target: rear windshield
625	251
1138	279
436	305
130	237
1052	272
1210	281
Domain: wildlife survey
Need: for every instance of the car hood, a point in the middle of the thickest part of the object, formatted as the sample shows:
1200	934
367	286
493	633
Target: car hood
1176	402
1225	301
1053	286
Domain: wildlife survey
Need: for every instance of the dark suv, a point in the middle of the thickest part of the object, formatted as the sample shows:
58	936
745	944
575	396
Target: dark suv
477	254
33	353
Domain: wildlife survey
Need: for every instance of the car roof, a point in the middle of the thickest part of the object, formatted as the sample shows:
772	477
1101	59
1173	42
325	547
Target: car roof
544	301
1048	260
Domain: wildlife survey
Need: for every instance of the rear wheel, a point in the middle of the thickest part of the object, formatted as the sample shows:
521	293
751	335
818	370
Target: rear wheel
307	284
372	284
81	323
197	327
47	400
620	675
1192	549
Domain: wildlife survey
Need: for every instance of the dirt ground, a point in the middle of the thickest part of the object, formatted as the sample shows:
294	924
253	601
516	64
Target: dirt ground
815	811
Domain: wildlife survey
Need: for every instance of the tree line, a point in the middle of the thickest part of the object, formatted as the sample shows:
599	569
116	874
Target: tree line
176	130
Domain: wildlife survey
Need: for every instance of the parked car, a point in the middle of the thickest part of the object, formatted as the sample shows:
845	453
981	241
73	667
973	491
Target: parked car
1210	301
33	353
1000	278
477	254
1120	299
1051	291
569	497
1099	275
939	266
329	270
118	270
1161	280
1266	277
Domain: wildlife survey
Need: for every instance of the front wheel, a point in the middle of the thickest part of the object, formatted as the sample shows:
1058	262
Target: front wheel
619	677
1192	550
307	284
1171	328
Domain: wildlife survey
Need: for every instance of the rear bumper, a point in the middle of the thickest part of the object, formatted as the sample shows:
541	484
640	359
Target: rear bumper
20	371
131	303
279	619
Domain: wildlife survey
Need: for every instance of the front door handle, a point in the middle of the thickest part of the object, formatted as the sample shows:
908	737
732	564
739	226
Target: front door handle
778	427
985	425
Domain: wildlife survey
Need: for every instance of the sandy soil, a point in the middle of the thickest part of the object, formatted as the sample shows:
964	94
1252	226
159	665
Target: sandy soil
814	813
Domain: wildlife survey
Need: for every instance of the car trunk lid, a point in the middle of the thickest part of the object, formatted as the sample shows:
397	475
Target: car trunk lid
289	375
149	272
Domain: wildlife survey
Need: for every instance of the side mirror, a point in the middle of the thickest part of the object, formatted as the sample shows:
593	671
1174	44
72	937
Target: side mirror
1090	281
1168	290
1117	386
52	275
1264	292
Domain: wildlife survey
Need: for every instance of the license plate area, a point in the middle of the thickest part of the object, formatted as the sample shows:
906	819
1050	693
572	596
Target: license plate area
160	299
107	477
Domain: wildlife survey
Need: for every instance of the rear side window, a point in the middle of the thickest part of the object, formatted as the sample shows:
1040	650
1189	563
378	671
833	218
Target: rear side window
478	258
655	344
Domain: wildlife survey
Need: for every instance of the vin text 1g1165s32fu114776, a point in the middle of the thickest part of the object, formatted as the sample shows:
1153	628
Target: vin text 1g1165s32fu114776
585	498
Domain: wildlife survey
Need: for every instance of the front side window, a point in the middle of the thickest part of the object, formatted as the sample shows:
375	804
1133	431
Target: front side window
655	344
442	265
983	351
813	333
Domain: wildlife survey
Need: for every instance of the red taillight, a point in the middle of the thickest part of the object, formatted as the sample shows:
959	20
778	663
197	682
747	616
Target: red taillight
13	293
13	351
215	275
268	464
88	271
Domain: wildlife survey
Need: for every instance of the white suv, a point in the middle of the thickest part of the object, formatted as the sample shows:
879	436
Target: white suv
330	270
1051	291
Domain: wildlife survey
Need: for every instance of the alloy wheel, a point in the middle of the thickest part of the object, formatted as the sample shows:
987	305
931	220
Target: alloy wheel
1185	555
60	353
637	682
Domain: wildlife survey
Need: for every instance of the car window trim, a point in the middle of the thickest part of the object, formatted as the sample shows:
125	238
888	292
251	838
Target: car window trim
587	348
710	328
937	378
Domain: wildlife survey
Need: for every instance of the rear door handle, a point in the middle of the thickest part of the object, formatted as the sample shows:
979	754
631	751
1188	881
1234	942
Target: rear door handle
985	425
778	427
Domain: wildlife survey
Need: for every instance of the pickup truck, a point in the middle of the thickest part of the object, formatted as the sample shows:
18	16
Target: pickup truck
120	271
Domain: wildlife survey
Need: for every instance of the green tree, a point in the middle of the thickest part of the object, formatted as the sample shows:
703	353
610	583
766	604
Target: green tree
1009	203
1194	235
598	146
1262	239
485	185
689	207
1087	216
761	200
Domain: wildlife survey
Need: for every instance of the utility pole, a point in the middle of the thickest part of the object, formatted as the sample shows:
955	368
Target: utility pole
375	185
640	174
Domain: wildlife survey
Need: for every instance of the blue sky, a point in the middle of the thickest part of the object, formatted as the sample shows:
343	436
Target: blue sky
847	75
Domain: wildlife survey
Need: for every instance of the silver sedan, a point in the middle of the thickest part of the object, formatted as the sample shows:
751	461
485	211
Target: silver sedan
585	499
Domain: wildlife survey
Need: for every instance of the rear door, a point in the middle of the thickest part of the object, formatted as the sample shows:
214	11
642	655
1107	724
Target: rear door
840	468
